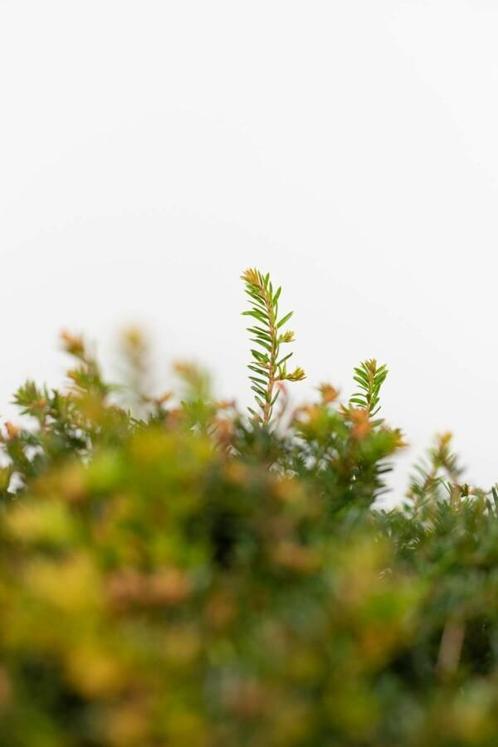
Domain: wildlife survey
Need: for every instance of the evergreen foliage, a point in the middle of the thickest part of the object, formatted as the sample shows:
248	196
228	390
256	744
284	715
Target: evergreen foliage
268	366
176	573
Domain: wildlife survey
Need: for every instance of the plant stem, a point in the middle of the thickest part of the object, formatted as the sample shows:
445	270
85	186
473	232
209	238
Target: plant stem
267	410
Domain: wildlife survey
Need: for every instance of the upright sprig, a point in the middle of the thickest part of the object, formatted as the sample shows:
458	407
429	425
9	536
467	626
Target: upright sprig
369	376
438	474
268	367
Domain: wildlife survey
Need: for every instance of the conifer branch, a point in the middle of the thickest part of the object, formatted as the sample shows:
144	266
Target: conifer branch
369	376
268	367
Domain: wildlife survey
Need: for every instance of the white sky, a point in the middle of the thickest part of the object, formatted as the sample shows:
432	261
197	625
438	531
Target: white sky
150	151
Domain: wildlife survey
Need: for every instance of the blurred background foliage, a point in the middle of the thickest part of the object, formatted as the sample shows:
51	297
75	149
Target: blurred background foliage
174	572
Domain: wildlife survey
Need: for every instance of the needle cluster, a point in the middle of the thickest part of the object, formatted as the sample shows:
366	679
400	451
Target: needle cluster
268	365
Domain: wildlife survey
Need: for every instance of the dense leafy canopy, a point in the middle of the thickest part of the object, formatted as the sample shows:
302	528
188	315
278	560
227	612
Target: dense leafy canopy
174	572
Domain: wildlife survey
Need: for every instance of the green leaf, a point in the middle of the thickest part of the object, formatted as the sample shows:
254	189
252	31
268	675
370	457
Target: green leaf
258	369
285	358
284	319
259	356
259	333
262	343
256	380
256	314
358	401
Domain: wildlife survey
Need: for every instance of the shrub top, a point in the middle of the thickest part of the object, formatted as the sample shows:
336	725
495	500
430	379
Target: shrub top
174	572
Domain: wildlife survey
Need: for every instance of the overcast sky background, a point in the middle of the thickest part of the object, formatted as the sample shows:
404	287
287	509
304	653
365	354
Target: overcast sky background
150	151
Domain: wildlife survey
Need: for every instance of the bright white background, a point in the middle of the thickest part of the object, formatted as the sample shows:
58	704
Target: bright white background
151	150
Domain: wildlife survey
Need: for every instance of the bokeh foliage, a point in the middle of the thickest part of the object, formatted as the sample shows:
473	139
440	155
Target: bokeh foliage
173	572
